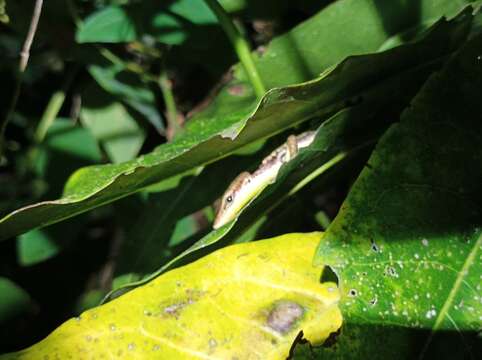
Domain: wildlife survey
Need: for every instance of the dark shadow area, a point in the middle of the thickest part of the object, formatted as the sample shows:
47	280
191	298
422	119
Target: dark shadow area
390	342
328	275
49	285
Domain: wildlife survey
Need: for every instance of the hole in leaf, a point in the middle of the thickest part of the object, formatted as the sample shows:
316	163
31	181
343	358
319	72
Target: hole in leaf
328	275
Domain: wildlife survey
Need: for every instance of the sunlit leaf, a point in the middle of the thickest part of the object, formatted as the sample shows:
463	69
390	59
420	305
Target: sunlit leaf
247	300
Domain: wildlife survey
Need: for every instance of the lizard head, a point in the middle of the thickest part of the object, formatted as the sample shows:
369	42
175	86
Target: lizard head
232	201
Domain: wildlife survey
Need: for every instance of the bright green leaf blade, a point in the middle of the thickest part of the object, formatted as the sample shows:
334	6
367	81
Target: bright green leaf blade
109	25
196	12
406	243
113	127
255	298
35	246
203	141
168	23
66	137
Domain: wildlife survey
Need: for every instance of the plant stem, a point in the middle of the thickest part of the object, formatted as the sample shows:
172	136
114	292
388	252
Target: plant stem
24	57
53	107
240	45
25	53
173	125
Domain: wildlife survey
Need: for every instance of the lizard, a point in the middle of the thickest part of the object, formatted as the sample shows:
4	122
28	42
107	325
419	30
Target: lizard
246	187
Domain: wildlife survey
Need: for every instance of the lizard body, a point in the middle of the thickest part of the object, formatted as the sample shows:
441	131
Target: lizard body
245	187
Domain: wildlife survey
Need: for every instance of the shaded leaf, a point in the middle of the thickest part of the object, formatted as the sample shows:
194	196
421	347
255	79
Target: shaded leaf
255	297
125	85
126	285
65	147
13	300
129	88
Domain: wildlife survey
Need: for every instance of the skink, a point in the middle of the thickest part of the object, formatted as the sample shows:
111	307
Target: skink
246	187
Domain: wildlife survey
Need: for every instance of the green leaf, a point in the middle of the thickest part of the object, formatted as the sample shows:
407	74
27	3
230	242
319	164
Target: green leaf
3	14
109	25
234	116
66	146
113	79
14	300
406	243
128	87
112	125
35	246
170	24
335	33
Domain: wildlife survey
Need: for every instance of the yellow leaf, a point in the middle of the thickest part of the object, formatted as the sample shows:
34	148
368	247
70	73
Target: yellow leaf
246	301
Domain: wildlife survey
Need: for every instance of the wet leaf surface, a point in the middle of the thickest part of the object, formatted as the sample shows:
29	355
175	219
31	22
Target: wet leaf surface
406	243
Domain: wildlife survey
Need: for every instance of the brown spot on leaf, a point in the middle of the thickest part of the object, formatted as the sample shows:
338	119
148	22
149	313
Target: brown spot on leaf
284	315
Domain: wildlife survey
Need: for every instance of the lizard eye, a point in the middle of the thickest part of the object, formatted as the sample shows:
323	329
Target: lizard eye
229	199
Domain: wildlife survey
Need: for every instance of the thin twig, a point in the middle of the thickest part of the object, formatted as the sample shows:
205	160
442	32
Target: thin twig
25	53
24	57
240	45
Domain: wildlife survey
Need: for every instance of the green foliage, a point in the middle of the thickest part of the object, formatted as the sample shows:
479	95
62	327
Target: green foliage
409	254
169	24
123	185
14	299
3	14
